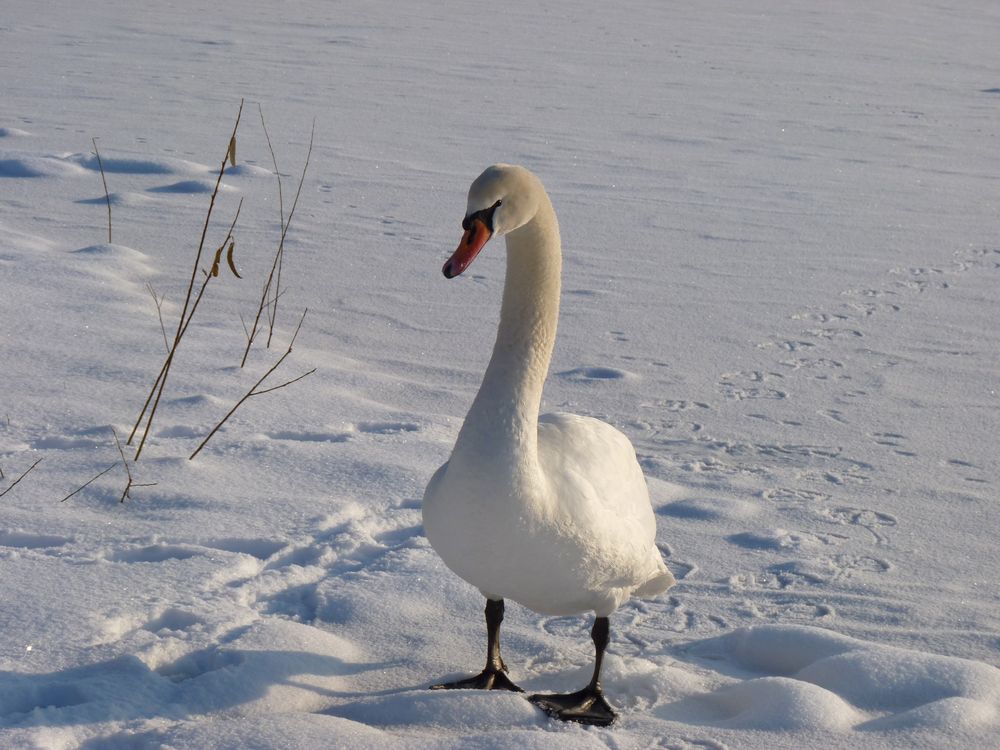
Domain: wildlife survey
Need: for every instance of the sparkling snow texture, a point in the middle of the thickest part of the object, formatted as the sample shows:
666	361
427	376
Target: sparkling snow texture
781	274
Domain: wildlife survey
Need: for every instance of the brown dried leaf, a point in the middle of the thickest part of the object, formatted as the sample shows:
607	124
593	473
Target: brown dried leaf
232	151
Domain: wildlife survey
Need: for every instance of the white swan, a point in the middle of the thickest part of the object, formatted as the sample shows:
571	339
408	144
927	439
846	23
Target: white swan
553	511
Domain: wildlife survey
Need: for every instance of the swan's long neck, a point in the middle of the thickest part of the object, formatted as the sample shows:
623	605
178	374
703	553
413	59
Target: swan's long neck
501	428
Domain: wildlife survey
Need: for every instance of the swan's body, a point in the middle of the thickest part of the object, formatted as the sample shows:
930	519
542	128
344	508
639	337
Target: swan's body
553	511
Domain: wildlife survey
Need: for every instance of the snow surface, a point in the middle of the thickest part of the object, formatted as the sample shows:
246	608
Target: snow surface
781	281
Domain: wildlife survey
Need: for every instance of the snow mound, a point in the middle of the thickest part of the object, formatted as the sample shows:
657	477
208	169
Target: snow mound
821	680
14	164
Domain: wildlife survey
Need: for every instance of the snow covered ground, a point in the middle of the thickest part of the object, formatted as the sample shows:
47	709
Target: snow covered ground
781	281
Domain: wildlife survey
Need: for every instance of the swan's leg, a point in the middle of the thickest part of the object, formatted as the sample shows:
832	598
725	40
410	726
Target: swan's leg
494	676
587	706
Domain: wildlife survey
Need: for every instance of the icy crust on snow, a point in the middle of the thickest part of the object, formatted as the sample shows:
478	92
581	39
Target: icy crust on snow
820	679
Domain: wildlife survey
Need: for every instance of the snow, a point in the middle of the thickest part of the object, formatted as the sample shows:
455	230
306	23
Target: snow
780	281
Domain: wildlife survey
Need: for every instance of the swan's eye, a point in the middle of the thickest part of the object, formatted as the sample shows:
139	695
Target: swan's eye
484	215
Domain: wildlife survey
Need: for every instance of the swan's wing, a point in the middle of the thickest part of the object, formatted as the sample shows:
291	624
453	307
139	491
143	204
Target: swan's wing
598	487
596	468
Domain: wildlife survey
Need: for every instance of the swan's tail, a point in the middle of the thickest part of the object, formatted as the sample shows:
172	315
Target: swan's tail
659	582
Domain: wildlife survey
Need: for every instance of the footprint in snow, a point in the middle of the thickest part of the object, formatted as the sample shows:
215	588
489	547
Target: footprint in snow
872	520
173	620
260	548
154	553
27	540
333	436
594	374
782	539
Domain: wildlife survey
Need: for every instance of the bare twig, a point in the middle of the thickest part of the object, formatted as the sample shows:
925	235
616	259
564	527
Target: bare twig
107	196
1	473
85	484
14	483
273	313
187	312
158	301
131	482
273	282
274	161
253	390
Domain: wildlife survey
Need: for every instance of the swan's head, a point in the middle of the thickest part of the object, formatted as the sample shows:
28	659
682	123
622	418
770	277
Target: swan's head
501	199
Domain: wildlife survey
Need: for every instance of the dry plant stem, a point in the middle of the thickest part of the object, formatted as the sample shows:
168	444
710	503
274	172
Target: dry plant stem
274	277
157	390
158	385
273	311
107	195
158	301
14	483
253	390
86	484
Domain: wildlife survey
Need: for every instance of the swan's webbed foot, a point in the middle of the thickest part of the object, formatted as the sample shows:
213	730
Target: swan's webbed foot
494	675
488	679
587	706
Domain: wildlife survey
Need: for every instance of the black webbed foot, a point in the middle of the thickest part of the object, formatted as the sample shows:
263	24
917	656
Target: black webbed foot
587	706
494	675
486	680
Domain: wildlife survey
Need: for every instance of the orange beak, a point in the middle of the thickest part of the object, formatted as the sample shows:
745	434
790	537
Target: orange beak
472	242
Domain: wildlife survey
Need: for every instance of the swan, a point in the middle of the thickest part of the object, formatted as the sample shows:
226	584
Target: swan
549	511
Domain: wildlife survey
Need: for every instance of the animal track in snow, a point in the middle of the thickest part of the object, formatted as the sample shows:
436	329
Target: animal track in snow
834	333
867	309
966	468
893	440
679	405
824	570
709	509
153	553
872	520
834	415
26	540
199	663
594	374
173	619
812	363
310	437
262	549
387	428
91	437
820	317
788	345
782	539
794	496
342	436
749	384
789	610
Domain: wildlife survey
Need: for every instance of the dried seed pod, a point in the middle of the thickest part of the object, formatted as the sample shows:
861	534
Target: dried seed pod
229	259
